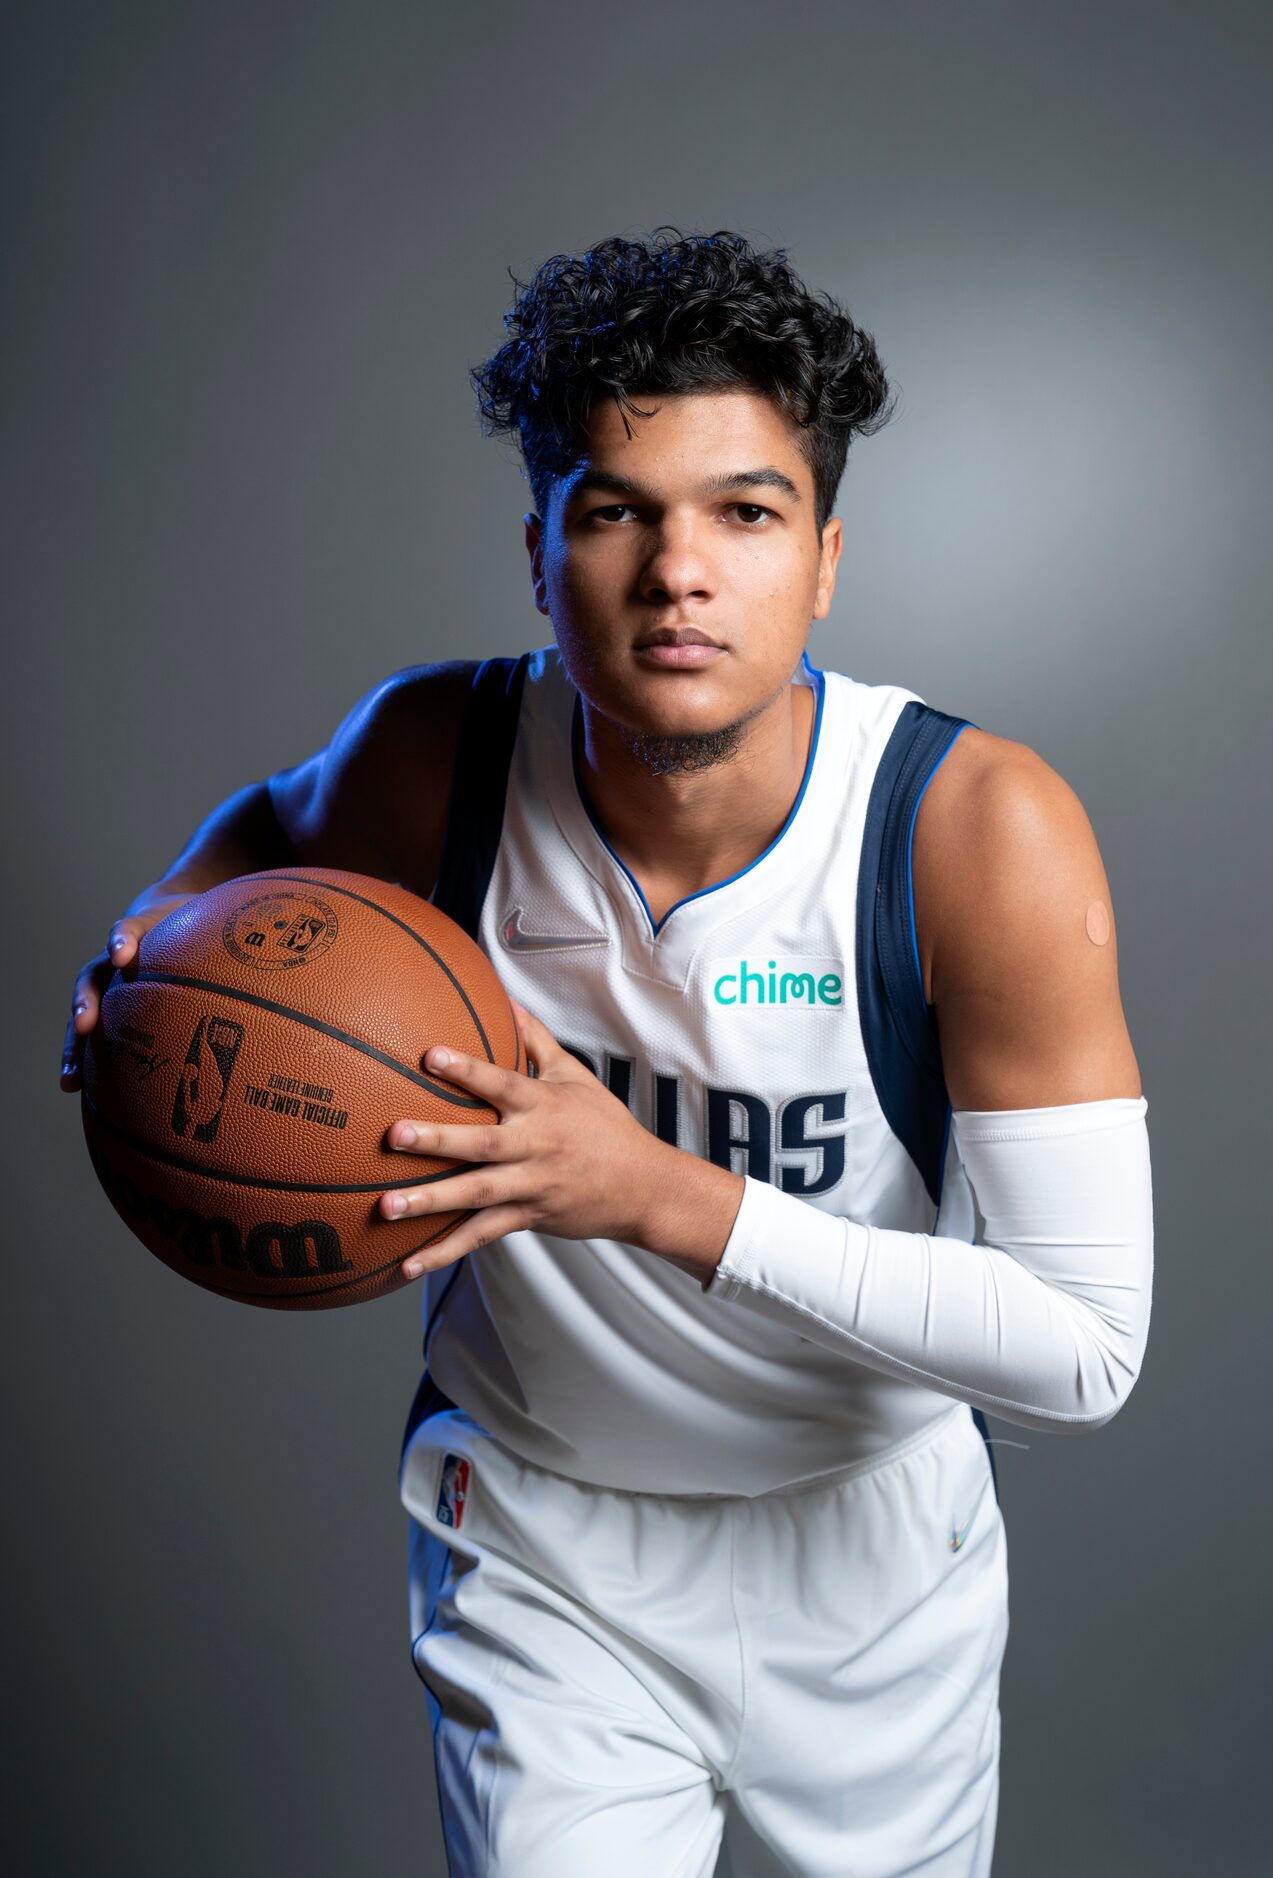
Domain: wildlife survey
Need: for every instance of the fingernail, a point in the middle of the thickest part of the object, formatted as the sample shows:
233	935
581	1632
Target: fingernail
397	1204
439	1059
68	1068
117	941
413	1271
402	1137
80	1006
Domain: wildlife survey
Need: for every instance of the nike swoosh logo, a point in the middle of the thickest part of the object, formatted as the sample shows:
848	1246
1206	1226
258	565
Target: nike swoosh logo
956	1536
516	939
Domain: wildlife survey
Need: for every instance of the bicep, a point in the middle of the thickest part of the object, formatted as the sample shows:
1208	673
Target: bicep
1020	929
374	799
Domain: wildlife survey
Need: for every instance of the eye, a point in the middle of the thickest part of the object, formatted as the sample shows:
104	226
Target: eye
612	512
750	513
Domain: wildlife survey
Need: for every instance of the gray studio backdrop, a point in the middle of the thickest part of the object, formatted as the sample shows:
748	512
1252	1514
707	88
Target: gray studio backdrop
249	253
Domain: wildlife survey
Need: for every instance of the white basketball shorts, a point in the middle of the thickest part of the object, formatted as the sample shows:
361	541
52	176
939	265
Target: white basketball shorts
610	1675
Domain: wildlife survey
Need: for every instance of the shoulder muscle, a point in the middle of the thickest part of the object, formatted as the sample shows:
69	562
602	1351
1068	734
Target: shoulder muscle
374	799
1016	932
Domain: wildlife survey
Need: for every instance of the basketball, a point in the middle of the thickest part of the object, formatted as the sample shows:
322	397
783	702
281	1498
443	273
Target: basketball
249	1062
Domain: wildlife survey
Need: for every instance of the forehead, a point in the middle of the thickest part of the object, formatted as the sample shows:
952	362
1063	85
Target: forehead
691	435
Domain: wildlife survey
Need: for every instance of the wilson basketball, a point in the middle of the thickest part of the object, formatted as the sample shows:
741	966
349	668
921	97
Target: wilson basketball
248	1064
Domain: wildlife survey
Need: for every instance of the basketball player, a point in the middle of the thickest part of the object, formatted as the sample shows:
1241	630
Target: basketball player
809	975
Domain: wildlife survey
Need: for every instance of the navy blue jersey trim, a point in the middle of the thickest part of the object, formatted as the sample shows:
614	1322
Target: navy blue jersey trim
429	1400
979	1422
479	784
656	926
898	1028
910	882
474	824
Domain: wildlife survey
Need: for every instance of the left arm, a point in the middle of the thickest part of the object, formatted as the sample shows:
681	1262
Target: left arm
1043	1324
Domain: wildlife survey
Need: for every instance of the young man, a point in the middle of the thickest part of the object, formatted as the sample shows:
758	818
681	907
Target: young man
702	1513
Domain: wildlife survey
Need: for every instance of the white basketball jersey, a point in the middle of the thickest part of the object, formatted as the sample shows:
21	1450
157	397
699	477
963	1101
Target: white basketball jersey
774	1023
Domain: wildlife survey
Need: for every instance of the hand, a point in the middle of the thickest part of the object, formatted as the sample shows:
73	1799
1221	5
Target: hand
125	937
566	1156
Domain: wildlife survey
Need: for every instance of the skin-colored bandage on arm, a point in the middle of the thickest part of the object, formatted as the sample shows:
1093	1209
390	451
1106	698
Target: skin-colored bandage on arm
1096	922
1043	1324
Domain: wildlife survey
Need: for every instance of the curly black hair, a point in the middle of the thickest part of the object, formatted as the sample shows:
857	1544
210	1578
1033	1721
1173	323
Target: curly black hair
677	312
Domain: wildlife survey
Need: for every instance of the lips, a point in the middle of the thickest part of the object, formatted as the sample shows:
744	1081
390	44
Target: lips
677	636
680	655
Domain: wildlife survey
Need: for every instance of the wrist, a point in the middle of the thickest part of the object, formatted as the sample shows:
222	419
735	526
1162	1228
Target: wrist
687	1210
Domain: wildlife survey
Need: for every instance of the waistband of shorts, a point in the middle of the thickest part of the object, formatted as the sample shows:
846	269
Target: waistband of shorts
924	1437
931	1432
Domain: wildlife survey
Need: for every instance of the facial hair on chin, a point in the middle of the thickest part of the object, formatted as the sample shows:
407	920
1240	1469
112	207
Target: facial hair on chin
683	755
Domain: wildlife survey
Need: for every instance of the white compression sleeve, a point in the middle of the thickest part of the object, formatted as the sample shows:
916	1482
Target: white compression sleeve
1044	1324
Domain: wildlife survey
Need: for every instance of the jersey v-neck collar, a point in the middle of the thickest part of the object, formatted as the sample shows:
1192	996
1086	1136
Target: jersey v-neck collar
654	927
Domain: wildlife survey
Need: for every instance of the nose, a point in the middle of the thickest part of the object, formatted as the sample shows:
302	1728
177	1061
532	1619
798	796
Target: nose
679	565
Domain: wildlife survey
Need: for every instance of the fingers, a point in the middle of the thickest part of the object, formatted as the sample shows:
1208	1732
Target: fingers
122	944
125	937
452	1141
89	986
542	1048
551	1062
462	1193
86	1003
482	1192
70	1078
504	1089
467	1238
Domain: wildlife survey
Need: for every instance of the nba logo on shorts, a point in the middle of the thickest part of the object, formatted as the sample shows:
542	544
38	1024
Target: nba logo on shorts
453	1491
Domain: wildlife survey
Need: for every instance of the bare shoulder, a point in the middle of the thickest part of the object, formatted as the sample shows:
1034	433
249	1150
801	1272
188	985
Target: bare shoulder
1015	928
997	808
375	798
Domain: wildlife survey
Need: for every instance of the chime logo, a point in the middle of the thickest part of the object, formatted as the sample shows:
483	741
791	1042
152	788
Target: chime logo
794	983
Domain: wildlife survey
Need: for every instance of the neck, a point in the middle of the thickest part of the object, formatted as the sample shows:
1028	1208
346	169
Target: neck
682	832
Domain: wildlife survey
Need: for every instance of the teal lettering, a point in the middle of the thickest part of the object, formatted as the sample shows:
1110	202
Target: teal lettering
776	984
751	978
800	985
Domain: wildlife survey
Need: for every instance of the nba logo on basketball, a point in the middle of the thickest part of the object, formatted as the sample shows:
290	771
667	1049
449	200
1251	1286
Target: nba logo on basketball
453	1491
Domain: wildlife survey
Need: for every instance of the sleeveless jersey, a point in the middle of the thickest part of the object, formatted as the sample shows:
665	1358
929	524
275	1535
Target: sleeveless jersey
775	1023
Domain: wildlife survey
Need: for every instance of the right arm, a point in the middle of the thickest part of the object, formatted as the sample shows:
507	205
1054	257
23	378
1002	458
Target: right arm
372	801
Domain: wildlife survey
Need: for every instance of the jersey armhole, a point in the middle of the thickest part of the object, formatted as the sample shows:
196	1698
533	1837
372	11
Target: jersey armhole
479	785
474	820
899	1027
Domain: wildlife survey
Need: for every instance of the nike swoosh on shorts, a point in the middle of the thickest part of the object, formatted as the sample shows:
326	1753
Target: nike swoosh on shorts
958	1535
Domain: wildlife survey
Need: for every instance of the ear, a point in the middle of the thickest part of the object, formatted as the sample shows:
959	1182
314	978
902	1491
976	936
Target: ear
828	560
535	548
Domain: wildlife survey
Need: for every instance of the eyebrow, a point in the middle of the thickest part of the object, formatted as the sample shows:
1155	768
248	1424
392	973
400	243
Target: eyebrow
728	483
